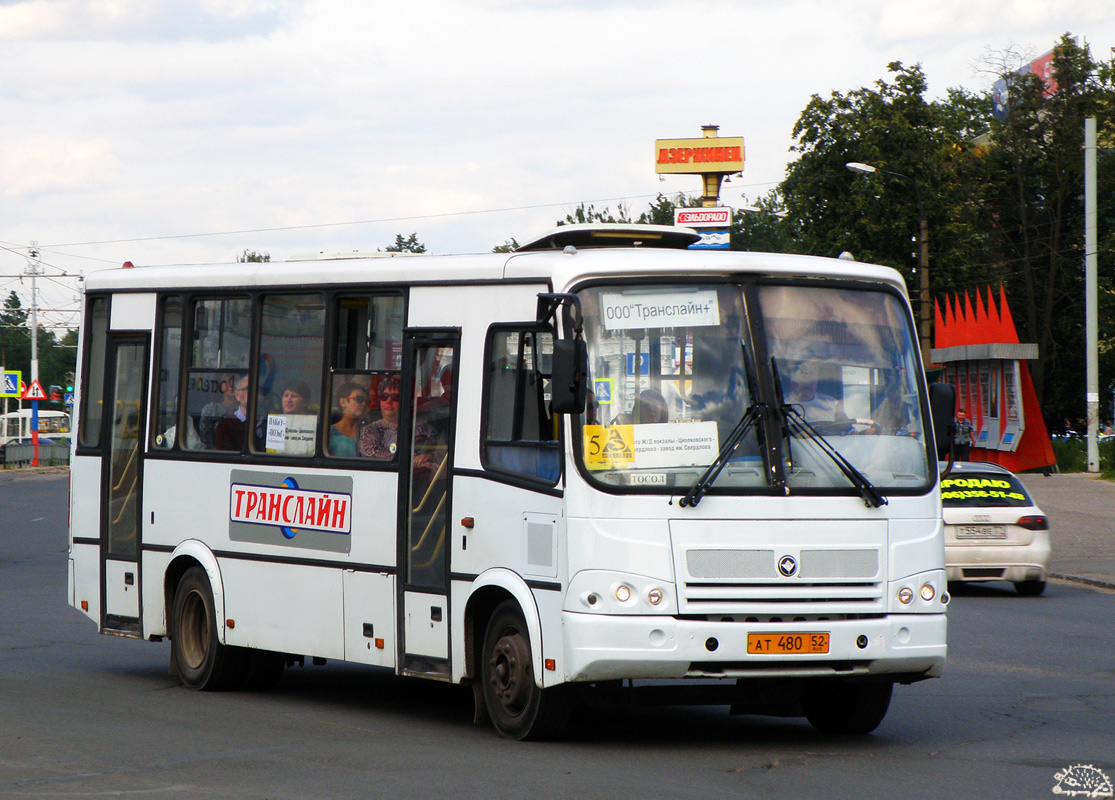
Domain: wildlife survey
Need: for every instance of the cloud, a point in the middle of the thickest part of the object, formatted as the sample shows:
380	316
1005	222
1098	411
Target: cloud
52	164
140	20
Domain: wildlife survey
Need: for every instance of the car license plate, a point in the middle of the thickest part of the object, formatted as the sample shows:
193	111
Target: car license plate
787	643
981	531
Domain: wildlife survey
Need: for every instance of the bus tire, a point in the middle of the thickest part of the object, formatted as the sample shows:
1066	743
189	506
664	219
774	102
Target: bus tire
517	706
203	663
847	708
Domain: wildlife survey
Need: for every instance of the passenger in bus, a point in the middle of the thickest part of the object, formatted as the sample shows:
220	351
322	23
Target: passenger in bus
232	430
295	397
212	413
352	402
292	431
380	439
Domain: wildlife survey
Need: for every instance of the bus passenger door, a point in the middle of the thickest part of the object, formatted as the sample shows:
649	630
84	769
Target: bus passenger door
121	481
426	459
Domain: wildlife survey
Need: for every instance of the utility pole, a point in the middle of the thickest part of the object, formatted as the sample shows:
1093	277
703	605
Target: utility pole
34	269
1091	245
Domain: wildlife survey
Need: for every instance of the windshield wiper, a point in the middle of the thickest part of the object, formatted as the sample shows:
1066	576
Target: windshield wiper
872	498
746	422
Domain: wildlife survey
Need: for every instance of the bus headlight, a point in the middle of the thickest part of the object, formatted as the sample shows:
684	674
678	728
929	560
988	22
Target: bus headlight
928	592
905	595
606	592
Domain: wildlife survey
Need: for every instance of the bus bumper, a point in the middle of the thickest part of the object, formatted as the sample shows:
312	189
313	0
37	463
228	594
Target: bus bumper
600	647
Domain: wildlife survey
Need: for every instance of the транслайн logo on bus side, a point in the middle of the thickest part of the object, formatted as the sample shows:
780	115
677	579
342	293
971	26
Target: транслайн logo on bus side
289	508
1083	780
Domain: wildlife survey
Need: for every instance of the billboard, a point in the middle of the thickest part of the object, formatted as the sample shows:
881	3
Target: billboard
720	217
699	156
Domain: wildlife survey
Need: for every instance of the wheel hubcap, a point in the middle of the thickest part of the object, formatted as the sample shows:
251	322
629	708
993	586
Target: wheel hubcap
194	636
509	672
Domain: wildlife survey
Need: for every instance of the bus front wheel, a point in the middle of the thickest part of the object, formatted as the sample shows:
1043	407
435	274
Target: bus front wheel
202	661
848	708
517	706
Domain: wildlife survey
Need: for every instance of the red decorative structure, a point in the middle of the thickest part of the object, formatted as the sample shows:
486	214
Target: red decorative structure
983	359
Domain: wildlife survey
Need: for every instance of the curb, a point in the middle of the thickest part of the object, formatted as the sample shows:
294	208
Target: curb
1093	582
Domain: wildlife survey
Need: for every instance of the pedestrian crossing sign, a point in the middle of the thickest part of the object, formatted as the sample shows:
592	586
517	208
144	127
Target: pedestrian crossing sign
12	381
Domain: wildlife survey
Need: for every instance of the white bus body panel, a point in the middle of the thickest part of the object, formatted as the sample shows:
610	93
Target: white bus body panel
85	525
369	618
284	594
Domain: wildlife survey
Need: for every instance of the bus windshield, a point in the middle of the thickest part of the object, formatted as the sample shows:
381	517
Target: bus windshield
823	371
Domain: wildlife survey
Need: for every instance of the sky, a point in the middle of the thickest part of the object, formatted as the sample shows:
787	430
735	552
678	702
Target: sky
189	131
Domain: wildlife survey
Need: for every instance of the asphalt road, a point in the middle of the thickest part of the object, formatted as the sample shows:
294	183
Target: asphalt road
1029	691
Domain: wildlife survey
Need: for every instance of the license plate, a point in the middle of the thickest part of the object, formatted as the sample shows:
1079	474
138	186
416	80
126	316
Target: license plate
981	531
787	643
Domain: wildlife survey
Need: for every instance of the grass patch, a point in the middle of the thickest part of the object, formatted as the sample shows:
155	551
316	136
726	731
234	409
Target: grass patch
1072	456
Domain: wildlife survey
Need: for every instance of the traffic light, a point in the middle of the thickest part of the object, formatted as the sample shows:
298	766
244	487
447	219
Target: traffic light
69	382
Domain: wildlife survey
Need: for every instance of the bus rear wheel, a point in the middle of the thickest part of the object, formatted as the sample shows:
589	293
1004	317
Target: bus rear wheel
202	661
517	706
847	708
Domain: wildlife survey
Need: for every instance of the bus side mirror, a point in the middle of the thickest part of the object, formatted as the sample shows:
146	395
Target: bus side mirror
569	368
942	407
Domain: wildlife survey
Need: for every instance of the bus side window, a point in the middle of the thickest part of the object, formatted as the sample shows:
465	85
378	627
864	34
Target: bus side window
220	343
93	372
291	351
368	334
519	431
164	430
365	356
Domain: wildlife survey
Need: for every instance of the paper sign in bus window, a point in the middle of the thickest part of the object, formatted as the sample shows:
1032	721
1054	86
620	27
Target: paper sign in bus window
291	434
669	444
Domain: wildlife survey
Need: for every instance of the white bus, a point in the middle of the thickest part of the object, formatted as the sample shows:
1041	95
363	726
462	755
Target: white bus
583	467
15	426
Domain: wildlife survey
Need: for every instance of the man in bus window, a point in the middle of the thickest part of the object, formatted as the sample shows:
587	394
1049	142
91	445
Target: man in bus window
231	431
649	408
212	413
816	406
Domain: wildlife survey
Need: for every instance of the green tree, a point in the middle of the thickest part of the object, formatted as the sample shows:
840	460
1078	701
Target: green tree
410	244
893	127
509	246
251	256
583	214
56	358
1003	199
763	227
15	337
1031	177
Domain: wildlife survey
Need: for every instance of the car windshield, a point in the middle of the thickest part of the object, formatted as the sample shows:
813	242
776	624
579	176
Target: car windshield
675	368
982	489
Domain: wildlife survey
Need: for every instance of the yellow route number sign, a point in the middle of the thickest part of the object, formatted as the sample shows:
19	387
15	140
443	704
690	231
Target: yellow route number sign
609	446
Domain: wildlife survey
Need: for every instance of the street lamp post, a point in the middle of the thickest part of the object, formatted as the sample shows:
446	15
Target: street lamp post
923	257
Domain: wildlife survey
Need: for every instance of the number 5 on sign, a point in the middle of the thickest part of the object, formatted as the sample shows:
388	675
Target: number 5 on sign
609	446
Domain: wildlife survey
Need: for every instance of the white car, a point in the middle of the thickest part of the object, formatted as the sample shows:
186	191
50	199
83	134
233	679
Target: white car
993	529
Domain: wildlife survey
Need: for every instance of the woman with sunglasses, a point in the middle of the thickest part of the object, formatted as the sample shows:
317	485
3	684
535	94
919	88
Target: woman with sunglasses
352	402
380	439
